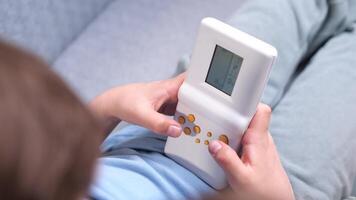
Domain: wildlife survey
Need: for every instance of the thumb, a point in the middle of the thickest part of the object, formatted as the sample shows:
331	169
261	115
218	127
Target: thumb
227	158
172	86
160	123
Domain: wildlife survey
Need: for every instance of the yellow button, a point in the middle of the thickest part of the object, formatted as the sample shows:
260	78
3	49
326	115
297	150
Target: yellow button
187	131
206	142
196	129
209	134
191	118
181	120
197	140
224	139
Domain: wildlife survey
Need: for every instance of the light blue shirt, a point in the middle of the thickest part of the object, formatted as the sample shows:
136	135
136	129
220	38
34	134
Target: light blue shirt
134	167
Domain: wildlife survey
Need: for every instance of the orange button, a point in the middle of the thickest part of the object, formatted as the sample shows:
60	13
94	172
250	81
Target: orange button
196	129
191	118
209	134
187	131
224	139
197	140
206	142
181	120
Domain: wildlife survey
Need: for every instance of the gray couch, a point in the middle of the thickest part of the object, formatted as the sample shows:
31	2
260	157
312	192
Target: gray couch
97	44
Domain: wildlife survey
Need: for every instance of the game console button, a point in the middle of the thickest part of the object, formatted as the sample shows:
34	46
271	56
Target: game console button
181	120
191	118
187	131
224	139
196	129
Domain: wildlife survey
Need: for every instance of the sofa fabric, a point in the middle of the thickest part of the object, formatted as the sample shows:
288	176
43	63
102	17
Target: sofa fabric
131	41
46	27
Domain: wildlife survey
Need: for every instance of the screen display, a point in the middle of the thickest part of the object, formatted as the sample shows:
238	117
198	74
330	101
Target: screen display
223	70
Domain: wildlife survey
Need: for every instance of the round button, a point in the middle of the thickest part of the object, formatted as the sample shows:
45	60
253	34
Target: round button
197	140
187	131
191	118
209	134
181	120
206	142
196	129
224	139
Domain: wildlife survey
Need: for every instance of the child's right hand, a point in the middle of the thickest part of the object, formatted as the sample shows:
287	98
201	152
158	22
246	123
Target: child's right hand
145	104
258	174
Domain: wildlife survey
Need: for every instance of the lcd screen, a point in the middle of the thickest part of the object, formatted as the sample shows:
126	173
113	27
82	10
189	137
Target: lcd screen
224	69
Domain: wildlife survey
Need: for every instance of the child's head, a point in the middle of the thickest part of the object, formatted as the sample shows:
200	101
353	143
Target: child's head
48	139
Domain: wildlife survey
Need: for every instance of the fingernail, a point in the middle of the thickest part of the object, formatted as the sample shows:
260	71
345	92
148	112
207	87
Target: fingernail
214	147
174	131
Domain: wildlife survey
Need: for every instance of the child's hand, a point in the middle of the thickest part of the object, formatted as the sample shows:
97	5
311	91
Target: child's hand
258	174
145	104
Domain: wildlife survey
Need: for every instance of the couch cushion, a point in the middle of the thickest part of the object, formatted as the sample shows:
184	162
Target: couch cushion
46	26
137	40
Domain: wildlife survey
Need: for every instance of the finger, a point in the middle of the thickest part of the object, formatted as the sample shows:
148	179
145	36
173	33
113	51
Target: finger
260	122
227	158
181	77
160	123
173	85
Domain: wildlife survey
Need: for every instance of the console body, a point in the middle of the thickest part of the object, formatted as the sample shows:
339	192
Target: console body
225	80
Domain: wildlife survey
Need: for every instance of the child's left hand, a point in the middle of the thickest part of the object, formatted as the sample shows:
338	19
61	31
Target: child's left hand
145	104
258	174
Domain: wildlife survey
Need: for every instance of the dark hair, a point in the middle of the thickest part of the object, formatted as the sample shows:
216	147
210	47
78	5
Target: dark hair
48	138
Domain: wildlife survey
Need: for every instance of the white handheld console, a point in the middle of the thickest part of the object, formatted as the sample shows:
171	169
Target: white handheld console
226	77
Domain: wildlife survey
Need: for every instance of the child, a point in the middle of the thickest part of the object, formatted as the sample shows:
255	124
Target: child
49	140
